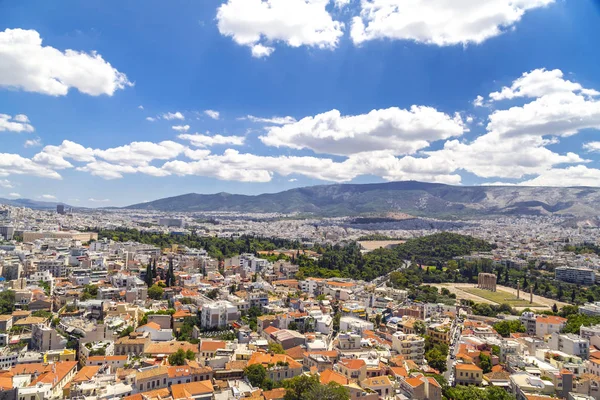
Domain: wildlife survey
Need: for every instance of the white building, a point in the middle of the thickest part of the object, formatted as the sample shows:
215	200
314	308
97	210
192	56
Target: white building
571	344
411	347
548	324
354	324
156	333
582	276
218	314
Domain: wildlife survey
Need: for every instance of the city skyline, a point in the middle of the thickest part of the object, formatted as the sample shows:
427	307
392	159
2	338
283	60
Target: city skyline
108	104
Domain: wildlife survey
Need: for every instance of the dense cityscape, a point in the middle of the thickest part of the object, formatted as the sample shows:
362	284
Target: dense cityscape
232	305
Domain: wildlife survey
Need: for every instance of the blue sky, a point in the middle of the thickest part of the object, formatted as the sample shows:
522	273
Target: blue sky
111	107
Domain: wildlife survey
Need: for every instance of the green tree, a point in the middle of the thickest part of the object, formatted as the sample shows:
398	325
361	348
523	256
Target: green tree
7	302
256	374
149	276
505	328
178	358
485	363
126	331
155	292
555	308
213	294
419	327
276	348
331	391
293	326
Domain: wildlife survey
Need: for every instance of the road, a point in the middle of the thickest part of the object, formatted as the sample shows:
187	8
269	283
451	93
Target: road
454	342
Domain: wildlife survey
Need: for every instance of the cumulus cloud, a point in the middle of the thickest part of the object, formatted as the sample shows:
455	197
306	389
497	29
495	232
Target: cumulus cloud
48	197
140	153
592	147
478	102
150	119
578	175
93	200
258	23
171	116
200	140
27	65
19	123
181	128
5	183
439	22
212	114
396	130
15	195
273	120
33	142
14	164
538	83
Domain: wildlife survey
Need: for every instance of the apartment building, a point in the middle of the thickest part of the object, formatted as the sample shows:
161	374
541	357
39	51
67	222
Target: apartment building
581	276
411	347
218	314
570	344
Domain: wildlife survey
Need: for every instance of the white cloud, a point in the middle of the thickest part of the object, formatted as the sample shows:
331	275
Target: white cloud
261	51
341	3
48	197
273	120
140	153
27	65
15	195
258	23
33	142
232	165
171	116
538	83
15	164
212	114
106	170
439	22
55	156
292	180
558	114
93	200
181	128
150	119
17	124
478	102
395	130
140	107
5	183
578	175
592	147
200	140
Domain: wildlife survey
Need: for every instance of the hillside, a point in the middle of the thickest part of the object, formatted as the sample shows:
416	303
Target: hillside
415	198
28	203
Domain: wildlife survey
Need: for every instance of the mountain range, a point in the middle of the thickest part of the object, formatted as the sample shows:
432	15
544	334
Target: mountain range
28	203
410	197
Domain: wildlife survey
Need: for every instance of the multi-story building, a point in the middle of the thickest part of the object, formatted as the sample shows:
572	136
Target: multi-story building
592	309
411	347
586	332
468	374
278	366
218	314
582	276
57	267
570	344
353	369
548	324
439	333
44	338
528	319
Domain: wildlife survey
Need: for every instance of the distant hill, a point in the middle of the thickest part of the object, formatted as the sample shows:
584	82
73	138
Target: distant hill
414	198
28	203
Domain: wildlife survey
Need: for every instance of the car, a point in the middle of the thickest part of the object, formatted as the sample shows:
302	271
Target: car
452	356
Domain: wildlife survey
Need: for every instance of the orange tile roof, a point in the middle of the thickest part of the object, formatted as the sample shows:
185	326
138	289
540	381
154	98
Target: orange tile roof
270	330
178	371
6	380
550	319
297	352
107	358
266	359
352	363
190	390
414	382
212	345
85	374
467	367
170	347
48	373
399	371
182	313
150	395
332	376
275	394
433	382
151	325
